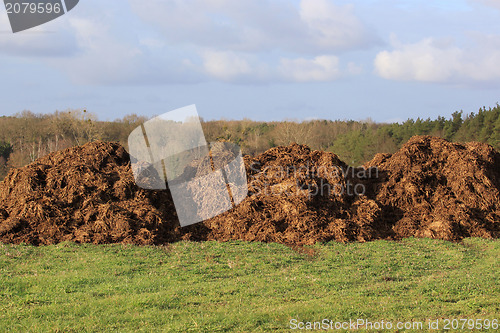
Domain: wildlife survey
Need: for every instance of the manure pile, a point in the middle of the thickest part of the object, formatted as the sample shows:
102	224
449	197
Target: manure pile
429	188
83	194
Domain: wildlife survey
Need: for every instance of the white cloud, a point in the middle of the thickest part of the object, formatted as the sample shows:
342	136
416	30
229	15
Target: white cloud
238	67
490	3
103	59
225	65
39	41
259	40
441	60
176	41
332	27
321	68
107	60
258	25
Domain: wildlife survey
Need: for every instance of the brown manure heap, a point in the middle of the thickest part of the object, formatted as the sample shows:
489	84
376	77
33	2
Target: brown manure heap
429	188
438	189
84	194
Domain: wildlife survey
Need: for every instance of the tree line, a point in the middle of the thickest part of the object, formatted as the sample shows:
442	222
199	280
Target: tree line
27	136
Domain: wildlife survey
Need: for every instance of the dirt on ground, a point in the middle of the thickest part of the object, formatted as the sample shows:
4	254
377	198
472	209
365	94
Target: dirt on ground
429	188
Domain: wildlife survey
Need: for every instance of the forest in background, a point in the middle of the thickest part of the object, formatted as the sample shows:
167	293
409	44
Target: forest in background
28	136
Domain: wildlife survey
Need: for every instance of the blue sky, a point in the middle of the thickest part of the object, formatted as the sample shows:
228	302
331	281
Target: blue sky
387	60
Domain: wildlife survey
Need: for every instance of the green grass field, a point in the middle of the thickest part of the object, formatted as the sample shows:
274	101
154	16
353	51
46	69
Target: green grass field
245	287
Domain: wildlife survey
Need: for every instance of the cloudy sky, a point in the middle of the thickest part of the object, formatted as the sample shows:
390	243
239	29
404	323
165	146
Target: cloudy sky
387	60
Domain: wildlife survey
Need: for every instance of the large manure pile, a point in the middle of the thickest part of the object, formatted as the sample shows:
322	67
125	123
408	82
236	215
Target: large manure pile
438	189
429	188
83	194
299	196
